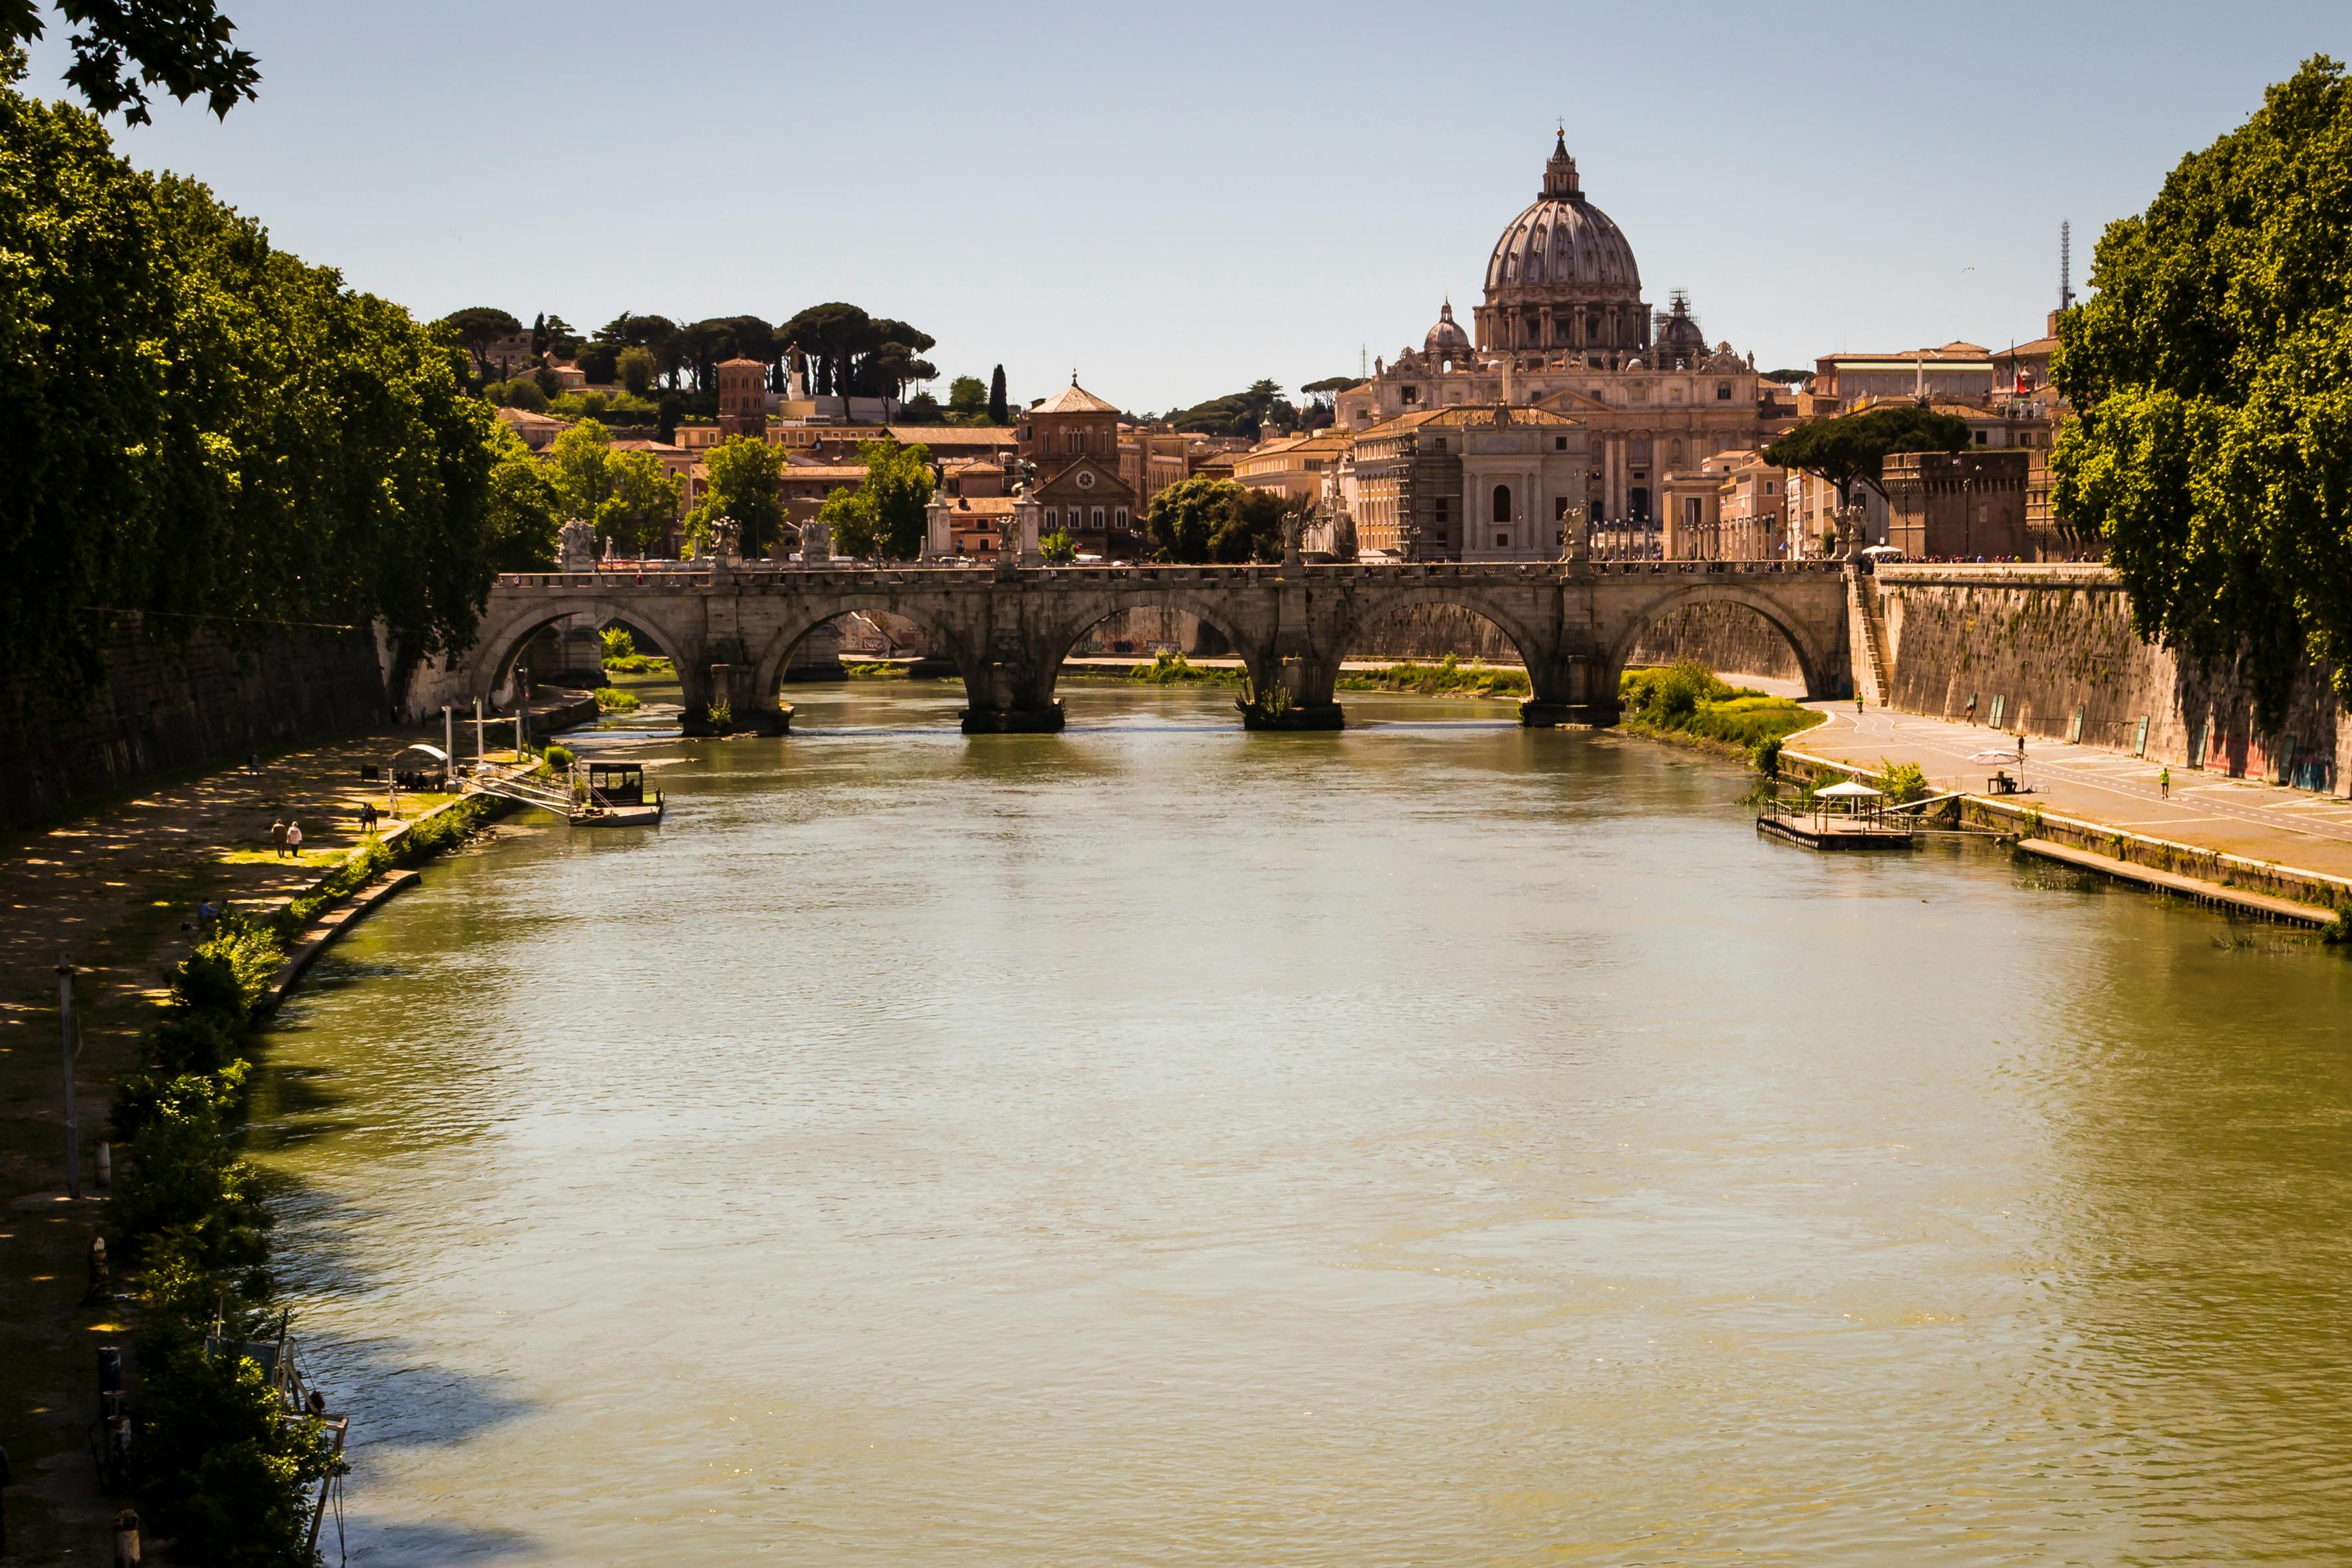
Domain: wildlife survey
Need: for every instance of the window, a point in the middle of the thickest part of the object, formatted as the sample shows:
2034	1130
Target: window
1053	518
1411	395
1120	519
1443	508
1723	392
1502	503
1559	443
1980	437
1502	541
1086	479
1098	519
1440	444
1070	441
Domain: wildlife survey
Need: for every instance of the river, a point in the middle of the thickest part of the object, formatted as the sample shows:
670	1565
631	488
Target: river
1436	1142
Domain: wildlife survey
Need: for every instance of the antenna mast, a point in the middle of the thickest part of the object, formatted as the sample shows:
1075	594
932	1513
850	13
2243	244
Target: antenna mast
2066	265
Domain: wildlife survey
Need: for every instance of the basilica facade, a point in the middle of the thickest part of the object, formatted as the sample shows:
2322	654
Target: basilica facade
1563	329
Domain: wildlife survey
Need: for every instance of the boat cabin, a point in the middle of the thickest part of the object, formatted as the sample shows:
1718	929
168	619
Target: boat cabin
616	783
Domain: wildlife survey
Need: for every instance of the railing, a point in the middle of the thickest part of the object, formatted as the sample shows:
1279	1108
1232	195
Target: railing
699	573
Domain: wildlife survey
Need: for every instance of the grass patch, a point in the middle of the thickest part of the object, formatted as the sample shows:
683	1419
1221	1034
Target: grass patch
1690	701
877	672
611	700
1174	670
1447	677
639	664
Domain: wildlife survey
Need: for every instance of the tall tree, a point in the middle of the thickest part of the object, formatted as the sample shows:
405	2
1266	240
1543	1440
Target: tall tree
967	400
2212	377
1853	449
998	412
122	47
476	328
744	485
524	514
898	482
1203	519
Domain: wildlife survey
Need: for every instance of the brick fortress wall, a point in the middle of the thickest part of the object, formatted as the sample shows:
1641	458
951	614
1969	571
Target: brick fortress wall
167	707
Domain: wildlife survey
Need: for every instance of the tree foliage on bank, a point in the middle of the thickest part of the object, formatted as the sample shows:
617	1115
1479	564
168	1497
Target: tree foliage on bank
205	429
1201	520
1853	449
744	476
882	519
2211	378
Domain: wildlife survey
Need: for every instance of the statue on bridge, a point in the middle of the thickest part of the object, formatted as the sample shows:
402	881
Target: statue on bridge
576	546
1575	538
726	542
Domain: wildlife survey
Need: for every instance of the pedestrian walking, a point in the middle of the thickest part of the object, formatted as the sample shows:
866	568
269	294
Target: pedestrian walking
253	762
277	834
367	816
2164	781
294	840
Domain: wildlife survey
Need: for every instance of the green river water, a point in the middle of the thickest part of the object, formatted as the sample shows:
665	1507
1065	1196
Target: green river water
1436	1143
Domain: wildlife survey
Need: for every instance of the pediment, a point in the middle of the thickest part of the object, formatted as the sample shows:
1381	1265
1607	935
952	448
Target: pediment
1087	482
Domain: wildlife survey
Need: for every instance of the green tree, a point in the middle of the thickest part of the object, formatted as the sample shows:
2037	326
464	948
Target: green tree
524	515
850	525
998	412
1203	519
1853	449
203	429
745	474
634	365
476	328
121	48
1059	548
898	485
643	503
2211	378
967	400
580	462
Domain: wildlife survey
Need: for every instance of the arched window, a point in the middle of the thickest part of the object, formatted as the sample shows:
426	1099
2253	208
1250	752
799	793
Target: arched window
1502	503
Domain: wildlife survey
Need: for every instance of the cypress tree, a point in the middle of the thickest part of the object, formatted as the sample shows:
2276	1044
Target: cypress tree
997	412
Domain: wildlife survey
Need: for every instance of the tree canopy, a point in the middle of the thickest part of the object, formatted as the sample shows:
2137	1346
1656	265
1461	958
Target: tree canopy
2212	377
1203	519
1246	412
205	429
999	411
1853	449
628	497
476	328
852	353
122	47
744	473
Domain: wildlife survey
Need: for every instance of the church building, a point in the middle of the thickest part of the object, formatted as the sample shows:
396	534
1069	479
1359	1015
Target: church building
1071	441
1563	329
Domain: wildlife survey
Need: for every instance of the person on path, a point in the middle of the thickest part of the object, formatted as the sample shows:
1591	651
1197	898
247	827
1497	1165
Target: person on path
2164	782
367	816
277	834
294	840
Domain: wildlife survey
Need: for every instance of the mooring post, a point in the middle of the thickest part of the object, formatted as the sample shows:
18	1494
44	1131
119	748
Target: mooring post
72	1041
449	747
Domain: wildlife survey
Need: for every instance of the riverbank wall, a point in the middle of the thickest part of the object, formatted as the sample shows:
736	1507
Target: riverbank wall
167	707
2050	651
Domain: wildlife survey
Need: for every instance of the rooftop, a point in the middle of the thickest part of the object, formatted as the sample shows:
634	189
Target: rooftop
1073	399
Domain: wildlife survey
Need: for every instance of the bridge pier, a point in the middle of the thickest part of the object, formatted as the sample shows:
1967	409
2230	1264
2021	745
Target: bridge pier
1569	689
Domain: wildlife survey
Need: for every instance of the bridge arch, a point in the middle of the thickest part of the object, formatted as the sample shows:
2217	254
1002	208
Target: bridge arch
1383	603
1252	646
1817	660
496	647
775	654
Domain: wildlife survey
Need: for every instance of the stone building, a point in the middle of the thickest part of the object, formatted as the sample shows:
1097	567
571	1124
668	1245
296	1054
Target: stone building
1563	327
1071	440
1466	484
742	398
1957	505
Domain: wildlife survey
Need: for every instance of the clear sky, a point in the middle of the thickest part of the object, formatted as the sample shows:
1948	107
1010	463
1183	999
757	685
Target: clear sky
1176	201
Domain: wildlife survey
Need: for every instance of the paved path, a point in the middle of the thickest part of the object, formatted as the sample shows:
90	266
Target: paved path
2237	817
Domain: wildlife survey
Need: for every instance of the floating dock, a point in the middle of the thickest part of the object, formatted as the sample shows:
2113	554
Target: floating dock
1833	833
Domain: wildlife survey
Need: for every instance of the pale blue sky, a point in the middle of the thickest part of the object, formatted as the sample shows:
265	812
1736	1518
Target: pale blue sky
1179	200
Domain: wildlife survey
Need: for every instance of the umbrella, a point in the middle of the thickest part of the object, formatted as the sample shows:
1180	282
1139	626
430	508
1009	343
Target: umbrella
1852	789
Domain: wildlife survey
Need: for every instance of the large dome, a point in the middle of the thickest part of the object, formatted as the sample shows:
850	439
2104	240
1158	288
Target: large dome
1563	239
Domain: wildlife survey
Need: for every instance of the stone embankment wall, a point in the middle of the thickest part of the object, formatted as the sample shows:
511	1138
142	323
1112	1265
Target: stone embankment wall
166	707
1727	638
2052	645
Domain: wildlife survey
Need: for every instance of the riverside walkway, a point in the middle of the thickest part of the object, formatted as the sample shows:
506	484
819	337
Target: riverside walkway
2205	810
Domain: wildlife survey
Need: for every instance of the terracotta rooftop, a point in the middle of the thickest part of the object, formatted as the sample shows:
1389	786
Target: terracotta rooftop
1073	399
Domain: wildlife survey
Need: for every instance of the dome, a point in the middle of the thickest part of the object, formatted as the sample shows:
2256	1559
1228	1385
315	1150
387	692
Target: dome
1563	239
1446	340
1679	337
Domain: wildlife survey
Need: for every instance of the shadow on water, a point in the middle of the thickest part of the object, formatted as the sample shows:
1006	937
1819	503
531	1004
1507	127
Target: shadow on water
396	1543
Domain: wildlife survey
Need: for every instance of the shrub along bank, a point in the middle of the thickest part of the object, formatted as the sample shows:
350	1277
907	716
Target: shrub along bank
224	1472
1447	677
1689	704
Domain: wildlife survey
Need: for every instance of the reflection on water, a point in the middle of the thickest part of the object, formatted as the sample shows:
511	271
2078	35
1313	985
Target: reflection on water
1432	1142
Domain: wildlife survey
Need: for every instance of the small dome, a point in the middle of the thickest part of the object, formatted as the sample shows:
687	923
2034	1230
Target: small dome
1446	340
1679	338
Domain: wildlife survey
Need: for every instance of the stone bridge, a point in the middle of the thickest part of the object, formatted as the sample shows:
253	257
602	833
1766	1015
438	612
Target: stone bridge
731	628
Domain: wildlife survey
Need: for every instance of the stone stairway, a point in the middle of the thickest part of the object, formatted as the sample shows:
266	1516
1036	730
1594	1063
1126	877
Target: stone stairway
1867	650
